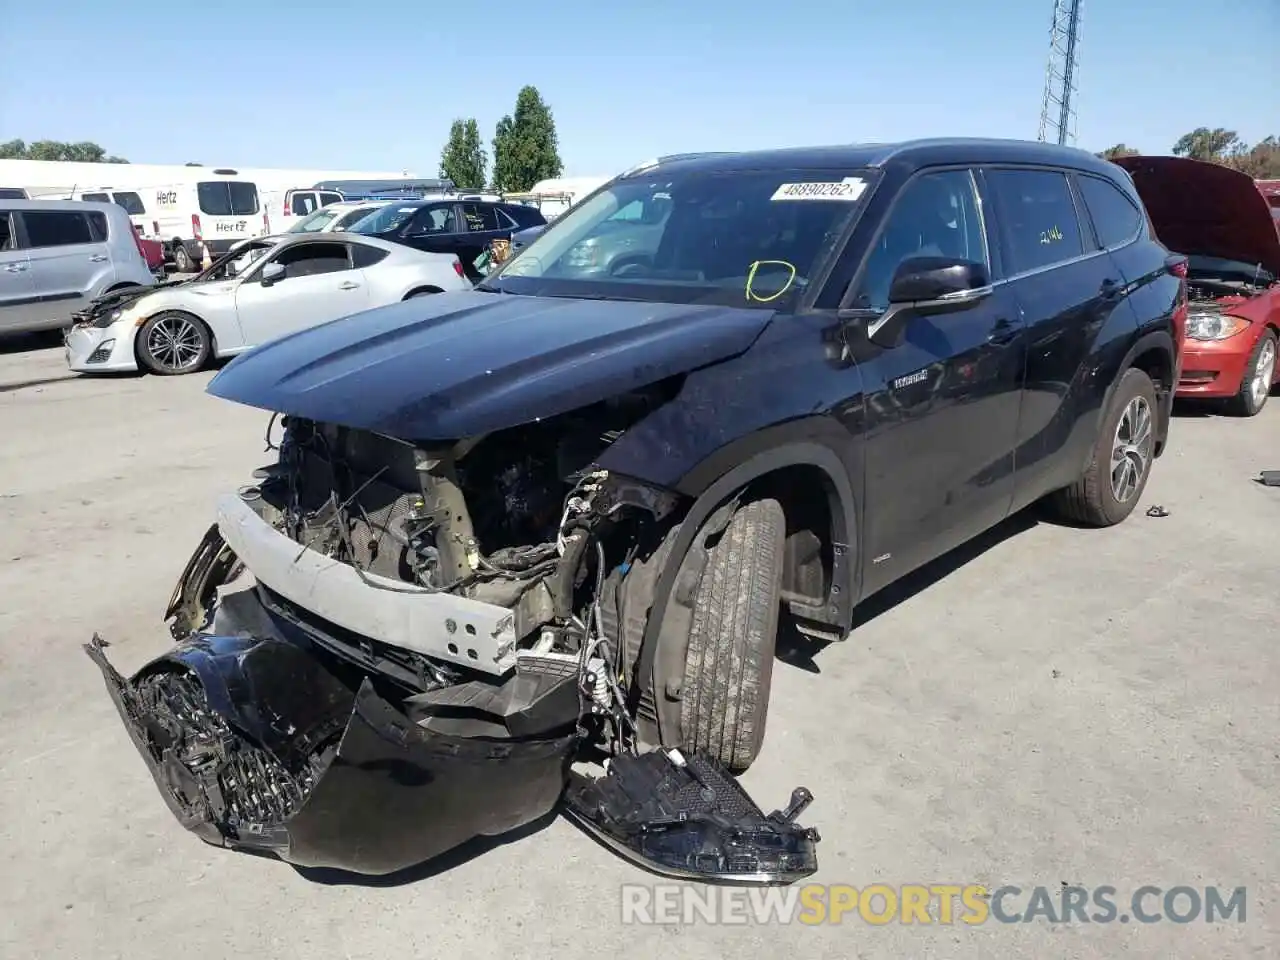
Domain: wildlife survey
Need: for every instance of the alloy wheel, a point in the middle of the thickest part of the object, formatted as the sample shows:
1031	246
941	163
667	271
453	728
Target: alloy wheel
1264	372
175	343
1131	449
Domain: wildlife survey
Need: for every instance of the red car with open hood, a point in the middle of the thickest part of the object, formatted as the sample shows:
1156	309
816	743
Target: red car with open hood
1220	219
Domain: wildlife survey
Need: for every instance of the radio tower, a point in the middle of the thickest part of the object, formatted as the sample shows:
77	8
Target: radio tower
1058	114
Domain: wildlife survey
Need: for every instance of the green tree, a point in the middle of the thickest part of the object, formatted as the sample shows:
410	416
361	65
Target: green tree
463	159
83	152
1261	161
525	146
1118	151
1216	145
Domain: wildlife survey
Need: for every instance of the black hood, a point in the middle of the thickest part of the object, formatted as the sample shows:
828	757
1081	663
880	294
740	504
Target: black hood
462	364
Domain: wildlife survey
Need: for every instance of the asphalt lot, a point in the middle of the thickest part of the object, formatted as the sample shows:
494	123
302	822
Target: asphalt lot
1067	706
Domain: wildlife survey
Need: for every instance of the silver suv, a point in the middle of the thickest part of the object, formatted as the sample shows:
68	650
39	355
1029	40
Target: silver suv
56	256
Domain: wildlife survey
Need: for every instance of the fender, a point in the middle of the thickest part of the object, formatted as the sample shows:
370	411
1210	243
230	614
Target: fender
664	644
1154	340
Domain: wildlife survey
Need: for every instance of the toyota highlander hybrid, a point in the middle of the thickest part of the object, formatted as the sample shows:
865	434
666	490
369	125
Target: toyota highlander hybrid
565	514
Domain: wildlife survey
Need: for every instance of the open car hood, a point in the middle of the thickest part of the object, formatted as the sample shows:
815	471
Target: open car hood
463	364
1207	209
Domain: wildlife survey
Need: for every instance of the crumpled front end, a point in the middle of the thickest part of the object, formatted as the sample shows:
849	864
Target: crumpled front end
427	639
256	743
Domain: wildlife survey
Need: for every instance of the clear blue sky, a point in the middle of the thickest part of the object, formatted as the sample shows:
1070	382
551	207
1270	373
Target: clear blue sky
374	84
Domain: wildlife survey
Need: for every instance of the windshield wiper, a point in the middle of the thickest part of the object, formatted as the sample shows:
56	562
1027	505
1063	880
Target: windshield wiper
484	287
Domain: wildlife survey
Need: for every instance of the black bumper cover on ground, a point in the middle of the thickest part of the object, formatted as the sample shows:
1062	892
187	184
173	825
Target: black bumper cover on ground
267	751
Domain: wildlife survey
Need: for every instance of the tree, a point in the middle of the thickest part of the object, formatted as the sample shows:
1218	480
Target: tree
1261	161
1215	145
1118	151
463	159
525	147
83	152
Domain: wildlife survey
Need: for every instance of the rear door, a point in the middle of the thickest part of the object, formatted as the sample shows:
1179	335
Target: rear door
229	210
1069	295
17	293
68	264
437	228
320	285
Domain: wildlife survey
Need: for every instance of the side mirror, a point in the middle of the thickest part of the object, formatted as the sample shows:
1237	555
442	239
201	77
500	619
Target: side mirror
272	273
922	280
925	286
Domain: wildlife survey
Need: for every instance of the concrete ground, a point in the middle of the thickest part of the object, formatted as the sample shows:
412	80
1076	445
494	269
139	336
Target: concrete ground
1063	707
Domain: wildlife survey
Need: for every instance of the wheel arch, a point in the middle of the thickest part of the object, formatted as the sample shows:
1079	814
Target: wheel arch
422	288
715	493
1153	353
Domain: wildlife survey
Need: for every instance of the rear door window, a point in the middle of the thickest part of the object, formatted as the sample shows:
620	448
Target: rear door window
1037	214
479	217
7	238
328	198
437	219
1114	216
303	203
56	228
227	198
131	202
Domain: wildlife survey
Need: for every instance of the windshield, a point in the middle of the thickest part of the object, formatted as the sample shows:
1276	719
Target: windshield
351	217
313	222
748	238
389	217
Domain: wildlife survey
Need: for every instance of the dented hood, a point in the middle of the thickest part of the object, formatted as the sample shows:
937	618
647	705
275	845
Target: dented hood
1206	209
461	364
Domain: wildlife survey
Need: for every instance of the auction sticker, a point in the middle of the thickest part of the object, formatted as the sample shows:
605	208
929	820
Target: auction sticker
848	189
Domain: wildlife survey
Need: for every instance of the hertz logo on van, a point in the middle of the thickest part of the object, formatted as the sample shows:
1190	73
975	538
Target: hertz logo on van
166	197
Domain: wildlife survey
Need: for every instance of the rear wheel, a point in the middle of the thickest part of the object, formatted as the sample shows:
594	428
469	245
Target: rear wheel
1112	485
729	664
1259	376
173	343
182	262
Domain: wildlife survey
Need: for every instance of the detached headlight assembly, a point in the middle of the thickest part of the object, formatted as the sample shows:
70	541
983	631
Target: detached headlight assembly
1214	326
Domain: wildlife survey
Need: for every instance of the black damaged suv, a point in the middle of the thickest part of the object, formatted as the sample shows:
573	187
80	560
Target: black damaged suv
722	389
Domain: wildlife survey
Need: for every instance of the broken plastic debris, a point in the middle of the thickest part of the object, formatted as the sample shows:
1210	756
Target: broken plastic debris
686	817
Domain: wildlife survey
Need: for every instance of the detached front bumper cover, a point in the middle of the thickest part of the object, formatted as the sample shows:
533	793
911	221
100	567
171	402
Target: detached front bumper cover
254	745
260	738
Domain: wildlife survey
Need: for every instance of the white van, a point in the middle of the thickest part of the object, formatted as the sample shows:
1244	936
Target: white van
131	200
299	202
215	211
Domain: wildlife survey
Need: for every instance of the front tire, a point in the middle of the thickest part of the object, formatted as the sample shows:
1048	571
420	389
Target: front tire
1259	377
729	664
1121	463
173	343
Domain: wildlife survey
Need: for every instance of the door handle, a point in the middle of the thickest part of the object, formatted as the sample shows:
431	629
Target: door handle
98	258
16	267
1003	332
1110	289
348	285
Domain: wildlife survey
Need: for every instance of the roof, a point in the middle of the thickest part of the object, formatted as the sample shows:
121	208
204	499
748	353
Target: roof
62	205
911	152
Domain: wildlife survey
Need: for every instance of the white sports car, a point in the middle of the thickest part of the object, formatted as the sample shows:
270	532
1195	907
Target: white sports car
262	290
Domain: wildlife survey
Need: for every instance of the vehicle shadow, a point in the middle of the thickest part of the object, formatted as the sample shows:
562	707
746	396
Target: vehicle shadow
424	871
1187	408
796	650
30	342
